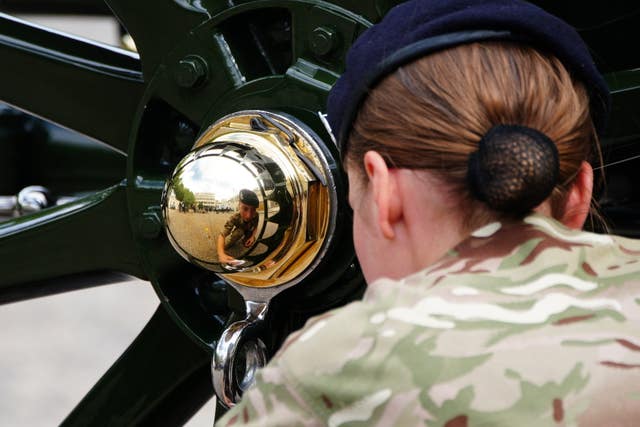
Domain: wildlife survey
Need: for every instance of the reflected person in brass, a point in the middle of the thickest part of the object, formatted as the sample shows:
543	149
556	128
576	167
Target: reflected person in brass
241	226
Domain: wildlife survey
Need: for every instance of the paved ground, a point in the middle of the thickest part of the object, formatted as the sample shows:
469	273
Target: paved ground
52	350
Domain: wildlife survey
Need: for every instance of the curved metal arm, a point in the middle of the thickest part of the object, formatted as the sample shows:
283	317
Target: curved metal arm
239	336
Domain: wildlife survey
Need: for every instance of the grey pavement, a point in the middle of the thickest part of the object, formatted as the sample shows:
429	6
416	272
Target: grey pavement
54	349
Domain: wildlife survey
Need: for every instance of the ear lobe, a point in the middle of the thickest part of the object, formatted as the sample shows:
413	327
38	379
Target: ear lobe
578	199
383	185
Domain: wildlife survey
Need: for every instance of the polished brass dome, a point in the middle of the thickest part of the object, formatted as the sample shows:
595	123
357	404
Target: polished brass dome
254	200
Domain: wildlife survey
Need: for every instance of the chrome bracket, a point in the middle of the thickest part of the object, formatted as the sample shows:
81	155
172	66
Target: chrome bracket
239	343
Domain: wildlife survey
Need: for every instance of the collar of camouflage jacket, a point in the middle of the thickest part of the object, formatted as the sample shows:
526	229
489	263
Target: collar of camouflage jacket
518	250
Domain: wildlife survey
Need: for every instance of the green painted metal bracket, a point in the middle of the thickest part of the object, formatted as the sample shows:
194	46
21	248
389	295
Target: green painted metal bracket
89	234
86	86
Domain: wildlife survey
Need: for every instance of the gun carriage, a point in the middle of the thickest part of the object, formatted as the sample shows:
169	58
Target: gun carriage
221	96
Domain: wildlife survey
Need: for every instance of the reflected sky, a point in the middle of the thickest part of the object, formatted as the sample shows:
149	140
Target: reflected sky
218	175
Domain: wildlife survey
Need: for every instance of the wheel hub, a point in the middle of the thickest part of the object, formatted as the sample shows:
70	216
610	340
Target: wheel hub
255	201
277	162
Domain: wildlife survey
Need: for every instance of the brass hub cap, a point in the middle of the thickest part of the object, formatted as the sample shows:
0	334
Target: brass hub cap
254	201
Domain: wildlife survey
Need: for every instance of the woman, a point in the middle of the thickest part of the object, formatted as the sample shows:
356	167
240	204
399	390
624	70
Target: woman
467	153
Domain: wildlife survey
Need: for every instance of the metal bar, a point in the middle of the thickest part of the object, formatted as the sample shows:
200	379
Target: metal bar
56	6
90	234
73	282
83	85
157	26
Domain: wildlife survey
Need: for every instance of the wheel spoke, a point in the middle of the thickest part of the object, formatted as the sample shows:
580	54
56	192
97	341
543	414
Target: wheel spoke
163	378
193	104
88	235
253	45
86	86
72	282
156	26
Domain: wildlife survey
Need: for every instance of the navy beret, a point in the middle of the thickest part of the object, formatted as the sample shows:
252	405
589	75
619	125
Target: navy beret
416	28
248	197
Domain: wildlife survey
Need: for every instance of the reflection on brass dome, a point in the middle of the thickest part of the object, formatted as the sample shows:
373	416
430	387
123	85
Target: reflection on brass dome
254	200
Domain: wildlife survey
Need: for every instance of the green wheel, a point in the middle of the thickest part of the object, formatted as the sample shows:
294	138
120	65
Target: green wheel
198	62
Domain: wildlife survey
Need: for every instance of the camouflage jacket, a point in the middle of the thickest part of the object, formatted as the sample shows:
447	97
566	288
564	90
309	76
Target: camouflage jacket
525	324
235	222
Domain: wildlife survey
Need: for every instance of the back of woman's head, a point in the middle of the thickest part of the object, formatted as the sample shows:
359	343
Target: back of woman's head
432	113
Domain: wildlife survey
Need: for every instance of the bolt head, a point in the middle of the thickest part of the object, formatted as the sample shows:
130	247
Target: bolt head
33	199
323	40
150	224
191	71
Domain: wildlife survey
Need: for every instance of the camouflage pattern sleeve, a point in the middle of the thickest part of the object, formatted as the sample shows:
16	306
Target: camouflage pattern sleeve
524	324
231	224
271	402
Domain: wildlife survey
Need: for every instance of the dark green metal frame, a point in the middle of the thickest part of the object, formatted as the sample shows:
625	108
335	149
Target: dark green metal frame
280	55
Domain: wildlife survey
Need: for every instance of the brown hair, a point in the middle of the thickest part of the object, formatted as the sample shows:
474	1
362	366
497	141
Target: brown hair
431	113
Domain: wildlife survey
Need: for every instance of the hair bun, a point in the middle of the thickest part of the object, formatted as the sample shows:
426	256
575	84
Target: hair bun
514	170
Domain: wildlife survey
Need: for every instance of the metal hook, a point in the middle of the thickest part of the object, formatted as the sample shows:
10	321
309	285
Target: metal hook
239	336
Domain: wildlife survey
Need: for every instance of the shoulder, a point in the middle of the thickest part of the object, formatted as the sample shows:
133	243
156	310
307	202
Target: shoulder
521	251
466	338
601	258
554	230
333	332
357	363
305	382
234	218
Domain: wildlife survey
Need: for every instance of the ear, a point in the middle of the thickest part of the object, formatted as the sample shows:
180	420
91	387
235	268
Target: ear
384	187
578	200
